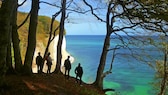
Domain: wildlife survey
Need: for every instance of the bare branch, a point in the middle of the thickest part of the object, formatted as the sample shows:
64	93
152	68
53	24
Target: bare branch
22	3
70	2
112	61
24	20
50	39
54	5
91	8
128	27
51	27
55	32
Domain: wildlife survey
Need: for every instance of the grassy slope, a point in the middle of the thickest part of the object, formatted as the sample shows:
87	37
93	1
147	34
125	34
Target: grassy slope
45	84
43	23
42	30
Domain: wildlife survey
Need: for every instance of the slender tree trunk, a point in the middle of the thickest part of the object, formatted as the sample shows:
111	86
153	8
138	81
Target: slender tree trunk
15	40
10	69
99	78
49	40
61	32
164	80
5	15
31	37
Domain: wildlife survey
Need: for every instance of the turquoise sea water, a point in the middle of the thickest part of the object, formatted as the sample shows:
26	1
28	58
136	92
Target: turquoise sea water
129	76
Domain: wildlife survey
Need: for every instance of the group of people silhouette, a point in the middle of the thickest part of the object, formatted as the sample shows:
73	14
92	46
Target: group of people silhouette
67	64
78	70
39	63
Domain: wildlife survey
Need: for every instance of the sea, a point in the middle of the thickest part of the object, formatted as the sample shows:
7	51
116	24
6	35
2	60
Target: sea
130	75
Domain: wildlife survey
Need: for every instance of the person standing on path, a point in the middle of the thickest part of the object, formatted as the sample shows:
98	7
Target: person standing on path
67	65
49	63
39	60
79	73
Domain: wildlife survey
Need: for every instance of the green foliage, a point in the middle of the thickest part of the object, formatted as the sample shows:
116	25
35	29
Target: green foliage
151	41
157	9
161	65
159	76
159	69
43	23
43	29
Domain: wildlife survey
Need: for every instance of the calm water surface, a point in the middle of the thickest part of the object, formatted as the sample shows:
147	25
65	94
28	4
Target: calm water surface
129	76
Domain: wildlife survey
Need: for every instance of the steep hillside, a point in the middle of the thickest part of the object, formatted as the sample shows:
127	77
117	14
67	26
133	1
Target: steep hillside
46	84
41	41
43	23
42	30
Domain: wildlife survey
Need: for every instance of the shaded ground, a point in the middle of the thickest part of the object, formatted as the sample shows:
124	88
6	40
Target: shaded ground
45	84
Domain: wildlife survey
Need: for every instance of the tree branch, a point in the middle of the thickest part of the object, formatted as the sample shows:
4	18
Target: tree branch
51	27
24	20
54	5
128	27
91	8
112	61
22	3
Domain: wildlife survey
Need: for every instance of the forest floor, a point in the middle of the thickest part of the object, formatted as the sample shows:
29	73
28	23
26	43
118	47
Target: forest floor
46	84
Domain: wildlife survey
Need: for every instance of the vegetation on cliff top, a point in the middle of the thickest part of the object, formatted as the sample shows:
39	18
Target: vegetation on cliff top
43	30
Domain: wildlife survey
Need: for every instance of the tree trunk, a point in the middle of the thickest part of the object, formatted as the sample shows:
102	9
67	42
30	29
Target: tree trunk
99	78
10	69
49	40
61	32
31	37
164	80
5	15
15	40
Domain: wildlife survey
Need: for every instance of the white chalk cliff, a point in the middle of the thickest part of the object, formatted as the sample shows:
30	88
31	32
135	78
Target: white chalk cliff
40	47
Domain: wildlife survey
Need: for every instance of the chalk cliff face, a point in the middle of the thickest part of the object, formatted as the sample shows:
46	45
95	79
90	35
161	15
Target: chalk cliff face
40	47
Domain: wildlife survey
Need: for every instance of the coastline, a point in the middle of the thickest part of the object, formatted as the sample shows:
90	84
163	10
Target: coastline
40	47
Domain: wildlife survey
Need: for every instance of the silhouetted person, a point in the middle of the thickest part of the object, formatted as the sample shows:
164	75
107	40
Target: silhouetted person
79	73
39	60
49	62
67	65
